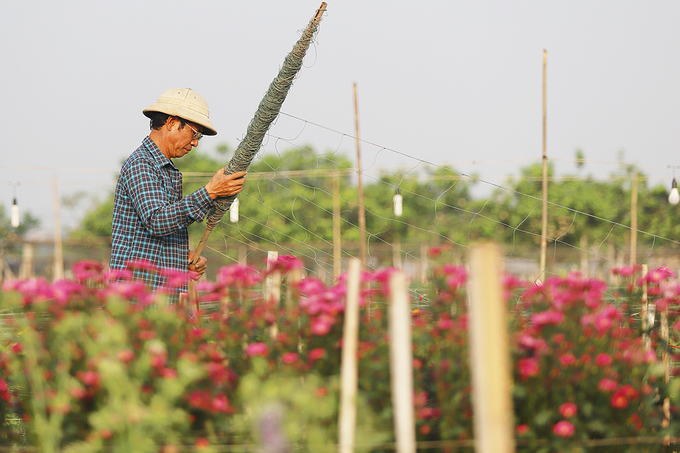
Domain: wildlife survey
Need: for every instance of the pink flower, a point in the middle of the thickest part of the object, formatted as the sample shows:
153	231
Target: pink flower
607	385
568	410
563	429
239	276
257	349
547	317
175	278
221	404
289	357
539	345
528	367
317	353
85	270
567	359
603	360
140	264
445	323
284	263
321	325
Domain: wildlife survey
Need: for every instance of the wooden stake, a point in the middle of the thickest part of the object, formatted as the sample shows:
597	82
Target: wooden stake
401	365
337	238
490	357
272	288
544	222
348	369
362	215
633	220
58	248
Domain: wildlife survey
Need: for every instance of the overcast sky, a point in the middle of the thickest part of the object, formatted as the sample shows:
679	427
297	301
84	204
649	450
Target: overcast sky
446	82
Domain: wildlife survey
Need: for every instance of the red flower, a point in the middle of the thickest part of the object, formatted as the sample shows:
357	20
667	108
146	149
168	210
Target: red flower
619	400
317	353
522	429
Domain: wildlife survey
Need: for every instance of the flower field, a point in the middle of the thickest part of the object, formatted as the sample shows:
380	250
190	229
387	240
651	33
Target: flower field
99	363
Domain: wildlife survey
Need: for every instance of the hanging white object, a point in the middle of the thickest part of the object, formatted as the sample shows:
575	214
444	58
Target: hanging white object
233	211
674	196
397	204
14	215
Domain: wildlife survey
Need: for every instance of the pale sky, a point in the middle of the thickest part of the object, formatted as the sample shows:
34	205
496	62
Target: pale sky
447	82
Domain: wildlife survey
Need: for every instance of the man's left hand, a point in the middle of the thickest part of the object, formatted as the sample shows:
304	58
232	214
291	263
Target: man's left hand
197	270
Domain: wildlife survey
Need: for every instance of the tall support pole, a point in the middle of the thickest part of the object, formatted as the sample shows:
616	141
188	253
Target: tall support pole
337	244
362	215
349	370
490	354
544	228
58	248
633	220
401	365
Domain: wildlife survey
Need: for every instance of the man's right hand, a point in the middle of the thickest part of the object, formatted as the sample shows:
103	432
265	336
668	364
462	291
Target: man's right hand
222	185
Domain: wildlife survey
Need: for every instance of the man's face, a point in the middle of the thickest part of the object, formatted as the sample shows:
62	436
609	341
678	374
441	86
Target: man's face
181	138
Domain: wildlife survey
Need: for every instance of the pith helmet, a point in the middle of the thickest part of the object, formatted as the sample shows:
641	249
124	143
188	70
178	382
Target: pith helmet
186	104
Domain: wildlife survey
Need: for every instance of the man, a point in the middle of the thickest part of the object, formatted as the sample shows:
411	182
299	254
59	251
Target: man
150	215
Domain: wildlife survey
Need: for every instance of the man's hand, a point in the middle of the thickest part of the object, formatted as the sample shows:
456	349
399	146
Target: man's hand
197	270
222	185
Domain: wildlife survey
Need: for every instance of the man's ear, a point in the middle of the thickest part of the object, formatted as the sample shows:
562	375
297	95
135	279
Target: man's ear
170	122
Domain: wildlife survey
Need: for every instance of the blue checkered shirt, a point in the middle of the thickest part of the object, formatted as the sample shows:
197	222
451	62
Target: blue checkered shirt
150	216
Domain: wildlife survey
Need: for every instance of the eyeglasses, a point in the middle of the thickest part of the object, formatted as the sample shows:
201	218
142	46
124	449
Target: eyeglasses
197	135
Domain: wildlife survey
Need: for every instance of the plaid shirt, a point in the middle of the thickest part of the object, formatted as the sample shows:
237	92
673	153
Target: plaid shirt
150	216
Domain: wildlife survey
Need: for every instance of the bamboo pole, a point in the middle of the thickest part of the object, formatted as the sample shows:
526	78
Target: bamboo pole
633	220
349	369
58	272
337	238
401	365
273	281
544	223
490	357
362	214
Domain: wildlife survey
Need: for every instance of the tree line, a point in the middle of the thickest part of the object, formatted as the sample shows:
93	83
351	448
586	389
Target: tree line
292	196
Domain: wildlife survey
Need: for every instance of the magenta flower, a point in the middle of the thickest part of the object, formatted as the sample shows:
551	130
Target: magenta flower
140	264
257	349
87	269
117	274
603	360
289	357
564	429
568	410
567	359
317	353
175	278
284	263
528	367
531	343
607	385
239	276
321	325
549	317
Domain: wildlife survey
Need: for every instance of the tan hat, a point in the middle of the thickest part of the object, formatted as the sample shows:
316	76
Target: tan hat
185	103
